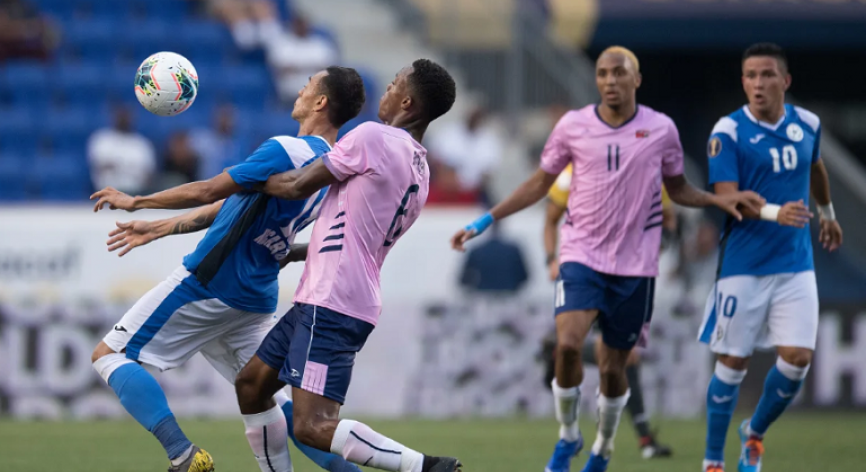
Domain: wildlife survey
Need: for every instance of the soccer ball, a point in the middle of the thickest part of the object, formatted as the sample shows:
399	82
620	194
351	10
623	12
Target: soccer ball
166	84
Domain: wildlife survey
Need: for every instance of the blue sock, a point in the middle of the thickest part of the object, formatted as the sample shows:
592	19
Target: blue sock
721	401
326	460
778	393
144	399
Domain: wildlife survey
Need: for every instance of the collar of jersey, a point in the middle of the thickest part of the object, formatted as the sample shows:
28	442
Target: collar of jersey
758	122
598	115
323	139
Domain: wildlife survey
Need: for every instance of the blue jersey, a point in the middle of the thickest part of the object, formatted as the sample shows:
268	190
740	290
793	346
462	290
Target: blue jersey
774	160
238	260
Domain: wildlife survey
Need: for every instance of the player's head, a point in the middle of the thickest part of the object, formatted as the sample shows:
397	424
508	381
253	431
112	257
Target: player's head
765	76
423	91
337	93
617	76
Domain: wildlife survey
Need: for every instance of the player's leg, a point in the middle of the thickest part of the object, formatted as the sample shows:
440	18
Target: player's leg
629	301
735	315
650	448
117	360
232	352
266	426
579	297
319	370
793	327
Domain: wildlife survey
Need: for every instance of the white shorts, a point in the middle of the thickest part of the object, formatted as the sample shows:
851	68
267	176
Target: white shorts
745	313
176	319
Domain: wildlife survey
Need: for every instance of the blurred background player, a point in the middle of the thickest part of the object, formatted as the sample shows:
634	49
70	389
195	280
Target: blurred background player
557	205
621	153
380	181
221	302
765	294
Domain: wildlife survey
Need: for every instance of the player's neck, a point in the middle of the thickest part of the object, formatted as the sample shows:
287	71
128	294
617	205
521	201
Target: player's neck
769	116
324	130
415	127
616	116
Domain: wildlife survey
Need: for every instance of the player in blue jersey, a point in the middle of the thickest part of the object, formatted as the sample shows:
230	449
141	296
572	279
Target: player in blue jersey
221	301
765	294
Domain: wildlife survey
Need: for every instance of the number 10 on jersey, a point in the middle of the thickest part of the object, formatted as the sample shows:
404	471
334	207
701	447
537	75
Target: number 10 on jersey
788	158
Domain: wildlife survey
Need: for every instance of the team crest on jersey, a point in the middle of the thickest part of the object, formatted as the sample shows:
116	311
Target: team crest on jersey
795	132
419	163
714	147
641	133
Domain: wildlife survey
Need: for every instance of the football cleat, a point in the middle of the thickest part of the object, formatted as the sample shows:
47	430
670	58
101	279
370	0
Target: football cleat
198	461
751	452
560	461
596	463
441	464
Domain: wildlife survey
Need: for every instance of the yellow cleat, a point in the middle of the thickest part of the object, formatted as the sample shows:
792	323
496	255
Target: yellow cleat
198	461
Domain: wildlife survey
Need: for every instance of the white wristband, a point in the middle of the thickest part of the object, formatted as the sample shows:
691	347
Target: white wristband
826	212
770	212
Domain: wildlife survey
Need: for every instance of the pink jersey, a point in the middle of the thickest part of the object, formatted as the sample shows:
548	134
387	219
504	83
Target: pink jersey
384	183
614	214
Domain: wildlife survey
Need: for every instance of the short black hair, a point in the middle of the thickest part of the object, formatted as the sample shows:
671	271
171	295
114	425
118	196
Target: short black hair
345	91
434	88
770	50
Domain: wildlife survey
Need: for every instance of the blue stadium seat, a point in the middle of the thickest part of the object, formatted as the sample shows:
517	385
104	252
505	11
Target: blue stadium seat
62	176
207	33
26	84
13	182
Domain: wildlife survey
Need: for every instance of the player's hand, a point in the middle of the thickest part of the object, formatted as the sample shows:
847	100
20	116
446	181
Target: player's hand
115	199
748	199
128	236
830	235
553	270
794	214
460	238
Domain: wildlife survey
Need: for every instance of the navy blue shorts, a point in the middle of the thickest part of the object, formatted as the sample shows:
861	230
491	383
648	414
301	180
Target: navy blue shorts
624	304
314	349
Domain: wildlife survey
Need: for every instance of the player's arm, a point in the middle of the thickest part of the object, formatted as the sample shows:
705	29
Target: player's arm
189	195
554	159
530	192
831	232
300	183
298	253
130	235
684	193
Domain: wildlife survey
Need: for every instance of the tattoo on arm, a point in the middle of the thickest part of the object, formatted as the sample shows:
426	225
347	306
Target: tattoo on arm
198	223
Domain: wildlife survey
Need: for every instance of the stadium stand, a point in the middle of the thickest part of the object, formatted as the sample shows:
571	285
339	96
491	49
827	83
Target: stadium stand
49	107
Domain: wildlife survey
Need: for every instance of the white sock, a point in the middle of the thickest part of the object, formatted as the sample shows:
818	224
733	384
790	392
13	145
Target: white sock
567	405
708	463
181	458
609	413
357	443
268	436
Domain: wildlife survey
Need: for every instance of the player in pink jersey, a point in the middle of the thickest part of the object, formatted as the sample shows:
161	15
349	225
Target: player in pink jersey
621	152
378	181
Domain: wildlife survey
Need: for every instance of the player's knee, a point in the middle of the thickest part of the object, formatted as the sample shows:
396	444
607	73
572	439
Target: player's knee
247	388
798	357
100	351
569	349
736	363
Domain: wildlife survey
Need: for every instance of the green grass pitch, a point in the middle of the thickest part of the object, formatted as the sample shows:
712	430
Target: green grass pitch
799	442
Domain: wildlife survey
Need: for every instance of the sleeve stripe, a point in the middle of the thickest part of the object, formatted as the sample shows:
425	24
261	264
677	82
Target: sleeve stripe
809	118
297	149
728	126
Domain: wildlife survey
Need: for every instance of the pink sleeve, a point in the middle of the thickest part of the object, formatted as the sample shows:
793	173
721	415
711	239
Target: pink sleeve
672	154
556	156
351	155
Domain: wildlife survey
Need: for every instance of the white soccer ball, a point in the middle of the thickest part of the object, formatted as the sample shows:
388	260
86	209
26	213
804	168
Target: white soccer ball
166	84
